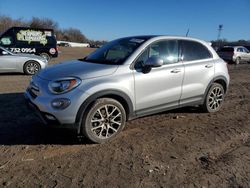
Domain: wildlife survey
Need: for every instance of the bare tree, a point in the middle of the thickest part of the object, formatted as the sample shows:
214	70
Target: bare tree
7	22
74	35
70	34
43	23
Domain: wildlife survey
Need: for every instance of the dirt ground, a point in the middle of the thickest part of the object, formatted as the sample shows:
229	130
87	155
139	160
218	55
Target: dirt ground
180	148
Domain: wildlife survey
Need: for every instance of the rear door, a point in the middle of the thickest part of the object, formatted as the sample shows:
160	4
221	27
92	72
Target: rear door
199	71
246	54
241	53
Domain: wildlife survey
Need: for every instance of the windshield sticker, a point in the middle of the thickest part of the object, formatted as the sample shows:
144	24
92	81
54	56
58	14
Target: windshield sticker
32	36
137	40
5	41
48	33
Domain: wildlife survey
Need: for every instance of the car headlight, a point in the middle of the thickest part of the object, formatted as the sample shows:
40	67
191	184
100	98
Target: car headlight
63	85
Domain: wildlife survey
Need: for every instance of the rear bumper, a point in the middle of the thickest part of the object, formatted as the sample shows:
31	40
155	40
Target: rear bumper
54	55
230	59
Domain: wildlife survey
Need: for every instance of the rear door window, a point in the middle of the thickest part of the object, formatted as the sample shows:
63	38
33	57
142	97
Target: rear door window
192	50
245	50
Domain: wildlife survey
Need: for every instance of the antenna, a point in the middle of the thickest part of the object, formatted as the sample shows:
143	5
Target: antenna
187	32
219	31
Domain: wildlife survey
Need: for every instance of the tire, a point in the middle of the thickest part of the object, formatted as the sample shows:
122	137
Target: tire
45	56
31	67
104	120
237	61
214	98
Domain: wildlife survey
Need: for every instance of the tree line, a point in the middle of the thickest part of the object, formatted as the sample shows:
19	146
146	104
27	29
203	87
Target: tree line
68	34
224	42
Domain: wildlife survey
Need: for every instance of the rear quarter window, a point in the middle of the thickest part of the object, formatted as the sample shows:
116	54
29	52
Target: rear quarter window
226	50
192	50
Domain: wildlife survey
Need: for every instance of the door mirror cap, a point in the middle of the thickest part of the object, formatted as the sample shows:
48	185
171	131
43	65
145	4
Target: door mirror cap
154	61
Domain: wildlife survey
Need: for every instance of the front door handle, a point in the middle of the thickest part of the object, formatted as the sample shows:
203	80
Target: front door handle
208	65
175	70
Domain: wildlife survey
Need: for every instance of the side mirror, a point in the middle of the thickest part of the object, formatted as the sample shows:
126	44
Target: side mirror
154	61
151	62
4	53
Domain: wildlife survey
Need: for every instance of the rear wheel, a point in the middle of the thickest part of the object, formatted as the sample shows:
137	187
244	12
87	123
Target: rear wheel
214	98
45	56
105	119
31	67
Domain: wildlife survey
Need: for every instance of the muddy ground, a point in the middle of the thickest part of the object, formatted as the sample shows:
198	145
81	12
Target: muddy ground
180	148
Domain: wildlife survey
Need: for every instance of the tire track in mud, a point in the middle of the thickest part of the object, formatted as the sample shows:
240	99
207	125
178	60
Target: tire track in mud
228	141
227	137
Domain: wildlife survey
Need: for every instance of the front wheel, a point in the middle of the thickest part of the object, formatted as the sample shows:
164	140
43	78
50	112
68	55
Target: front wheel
237	61
214	98
105	119
31	67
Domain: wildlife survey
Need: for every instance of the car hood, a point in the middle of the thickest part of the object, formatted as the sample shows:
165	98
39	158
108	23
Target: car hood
77	68
30	56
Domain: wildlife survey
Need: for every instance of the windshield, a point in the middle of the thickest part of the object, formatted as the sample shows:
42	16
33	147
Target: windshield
115	52
226	49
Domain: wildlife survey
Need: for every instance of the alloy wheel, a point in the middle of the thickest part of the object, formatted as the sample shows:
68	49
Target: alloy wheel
32	68
215	98
106	121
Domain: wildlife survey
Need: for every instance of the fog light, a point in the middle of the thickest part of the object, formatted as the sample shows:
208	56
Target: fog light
50	117
60	103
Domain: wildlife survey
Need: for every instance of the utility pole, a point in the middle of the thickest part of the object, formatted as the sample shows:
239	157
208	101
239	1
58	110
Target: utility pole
219	31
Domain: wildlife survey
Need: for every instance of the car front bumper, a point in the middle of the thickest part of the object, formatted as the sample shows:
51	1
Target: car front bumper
65	118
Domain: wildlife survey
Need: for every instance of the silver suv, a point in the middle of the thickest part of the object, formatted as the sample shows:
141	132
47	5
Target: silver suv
129	78
235	54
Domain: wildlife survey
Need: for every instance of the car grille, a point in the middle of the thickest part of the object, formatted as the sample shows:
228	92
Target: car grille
33	90
32	94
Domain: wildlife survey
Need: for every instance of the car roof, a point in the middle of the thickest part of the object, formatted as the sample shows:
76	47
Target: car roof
159	37
233	47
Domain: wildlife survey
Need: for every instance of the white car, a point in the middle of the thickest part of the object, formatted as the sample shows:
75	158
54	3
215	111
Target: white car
24	63
235	54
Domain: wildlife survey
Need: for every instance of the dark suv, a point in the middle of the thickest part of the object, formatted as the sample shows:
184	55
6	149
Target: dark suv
30	40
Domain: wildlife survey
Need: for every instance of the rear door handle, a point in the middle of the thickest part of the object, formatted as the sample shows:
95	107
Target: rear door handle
208	65
175	70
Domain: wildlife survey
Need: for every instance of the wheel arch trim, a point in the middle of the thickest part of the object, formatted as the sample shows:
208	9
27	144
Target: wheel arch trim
115	94
215	80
